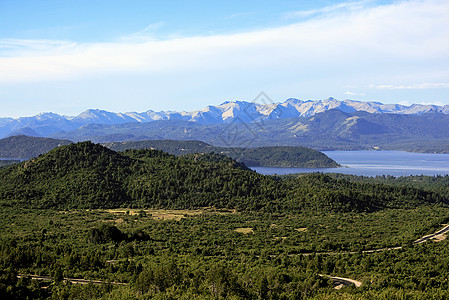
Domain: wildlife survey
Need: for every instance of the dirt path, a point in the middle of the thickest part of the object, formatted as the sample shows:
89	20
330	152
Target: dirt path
341	281
72	280
439	235
338	281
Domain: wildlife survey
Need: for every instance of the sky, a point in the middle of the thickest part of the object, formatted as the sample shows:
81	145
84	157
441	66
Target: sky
135	55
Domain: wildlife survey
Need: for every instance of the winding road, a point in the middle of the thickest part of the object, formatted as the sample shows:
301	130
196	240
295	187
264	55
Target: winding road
437	235
340	282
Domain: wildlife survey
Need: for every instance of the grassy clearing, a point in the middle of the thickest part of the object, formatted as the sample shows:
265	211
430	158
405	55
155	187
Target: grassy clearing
301	229
166	214
244	230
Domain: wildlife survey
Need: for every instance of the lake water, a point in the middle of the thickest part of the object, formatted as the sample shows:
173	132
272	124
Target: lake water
373	163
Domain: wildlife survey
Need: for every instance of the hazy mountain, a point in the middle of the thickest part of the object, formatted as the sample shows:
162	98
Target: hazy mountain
47	124
25	147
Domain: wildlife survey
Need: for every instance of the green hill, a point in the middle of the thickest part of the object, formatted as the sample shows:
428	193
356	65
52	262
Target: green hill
87	175
272	156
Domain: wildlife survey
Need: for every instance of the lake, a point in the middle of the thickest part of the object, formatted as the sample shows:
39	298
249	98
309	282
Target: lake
373	163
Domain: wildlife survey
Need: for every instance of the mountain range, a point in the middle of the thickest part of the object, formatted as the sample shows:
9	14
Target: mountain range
52	124
329	130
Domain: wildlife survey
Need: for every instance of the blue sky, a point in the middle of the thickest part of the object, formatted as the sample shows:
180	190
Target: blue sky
69	56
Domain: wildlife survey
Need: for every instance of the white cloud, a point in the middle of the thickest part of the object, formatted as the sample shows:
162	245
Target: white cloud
18	47
240	15
439	103
353	39
349	93
144	35
345	6
421	86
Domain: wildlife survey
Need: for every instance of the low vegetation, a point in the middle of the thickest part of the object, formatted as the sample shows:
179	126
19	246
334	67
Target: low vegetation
206	227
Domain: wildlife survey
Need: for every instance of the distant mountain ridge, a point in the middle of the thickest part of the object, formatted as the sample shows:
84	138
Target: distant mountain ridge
329	130
48	124
25	147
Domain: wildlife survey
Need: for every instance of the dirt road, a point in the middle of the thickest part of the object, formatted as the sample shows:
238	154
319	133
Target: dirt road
72	280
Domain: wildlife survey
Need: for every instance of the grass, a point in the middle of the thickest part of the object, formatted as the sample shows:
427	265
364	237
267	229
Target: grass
166	214
244	230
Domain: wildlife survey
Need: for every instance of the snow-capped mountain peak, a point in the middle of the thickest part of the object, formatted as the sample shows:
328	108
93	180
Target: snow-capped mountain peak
45	124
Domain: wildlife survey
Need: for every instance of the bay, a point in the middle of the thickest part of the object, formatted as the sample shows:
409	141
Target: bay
374	163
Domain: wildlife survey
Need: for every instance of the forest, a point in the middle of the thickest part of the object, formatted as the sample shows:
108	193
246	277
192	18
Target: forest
149	225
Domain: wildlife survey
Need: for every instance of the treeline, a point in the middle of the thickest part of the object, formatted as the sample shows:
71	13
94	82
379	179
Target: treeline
321	192
87	175
438	183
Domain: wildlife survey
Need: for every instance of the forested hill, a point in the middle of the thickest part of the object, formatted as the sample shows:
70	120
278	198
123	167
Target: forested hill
272	156
25	147
87	175
175	147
